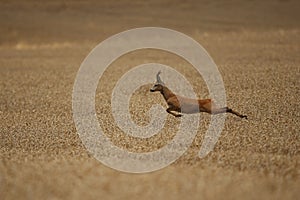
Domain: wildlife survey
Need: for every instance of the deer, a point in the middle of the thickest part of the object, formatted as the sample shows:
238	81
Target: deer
178	104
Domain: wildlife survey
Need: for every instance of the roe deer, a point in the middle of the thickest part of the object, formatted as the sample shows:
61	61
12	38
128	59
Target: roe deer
185	105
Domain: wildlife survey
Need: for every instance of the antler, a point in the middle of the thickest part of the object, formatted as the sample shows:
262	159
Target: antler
158	78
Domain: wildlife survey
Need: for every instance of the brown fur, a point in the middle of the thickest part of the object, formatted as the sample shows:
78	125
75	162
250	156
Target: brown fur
178	104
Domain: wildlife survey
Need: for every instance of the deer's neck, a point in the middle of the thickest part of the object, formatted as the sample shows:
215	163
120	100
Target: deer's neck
167	93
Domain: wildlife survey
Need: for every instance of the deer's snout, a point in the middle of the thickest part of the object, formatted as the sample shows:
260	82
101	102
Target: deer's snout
156	87
153	89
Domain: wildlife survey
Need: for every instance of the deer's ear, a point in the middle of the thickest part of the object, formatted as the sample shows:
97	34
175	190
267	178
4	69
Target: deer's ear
158	78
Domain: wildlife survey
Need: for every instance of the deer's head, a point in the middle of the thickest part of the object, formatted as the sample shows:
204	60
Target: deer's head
158	86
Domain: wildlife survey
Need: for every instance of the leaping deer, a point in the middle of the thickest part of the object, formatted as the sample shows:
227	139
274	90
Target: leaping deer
185	105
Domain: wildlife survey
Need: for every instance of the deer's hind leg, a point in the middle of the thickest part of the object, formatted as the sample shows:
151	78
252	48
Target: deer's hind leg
228	110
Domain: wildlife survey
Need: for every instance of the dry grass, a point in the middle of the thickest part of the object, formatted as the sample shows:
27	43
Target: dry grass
256	46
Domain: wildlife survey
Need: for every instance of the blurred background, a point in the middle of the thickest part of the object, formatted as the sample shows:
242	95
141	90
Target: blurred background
255	44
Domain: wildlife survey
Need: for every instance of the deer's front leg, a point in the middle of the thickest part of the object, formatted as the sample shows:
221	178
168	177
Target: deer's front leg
169	110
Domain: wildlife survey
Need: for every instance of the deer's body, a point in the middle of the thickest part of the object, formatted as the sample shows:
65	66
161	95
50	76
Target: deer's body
185	105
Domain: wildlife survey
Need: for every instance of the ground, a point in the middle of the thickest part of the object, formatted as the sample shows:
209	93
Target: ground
256	46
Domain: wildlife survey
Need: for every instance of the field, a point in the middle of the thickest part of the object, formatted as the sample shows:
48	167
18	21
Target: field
256	46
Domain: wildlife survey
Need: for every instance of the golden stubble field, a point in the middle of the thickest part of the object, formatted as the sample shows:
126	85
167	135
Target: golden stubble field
256	46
